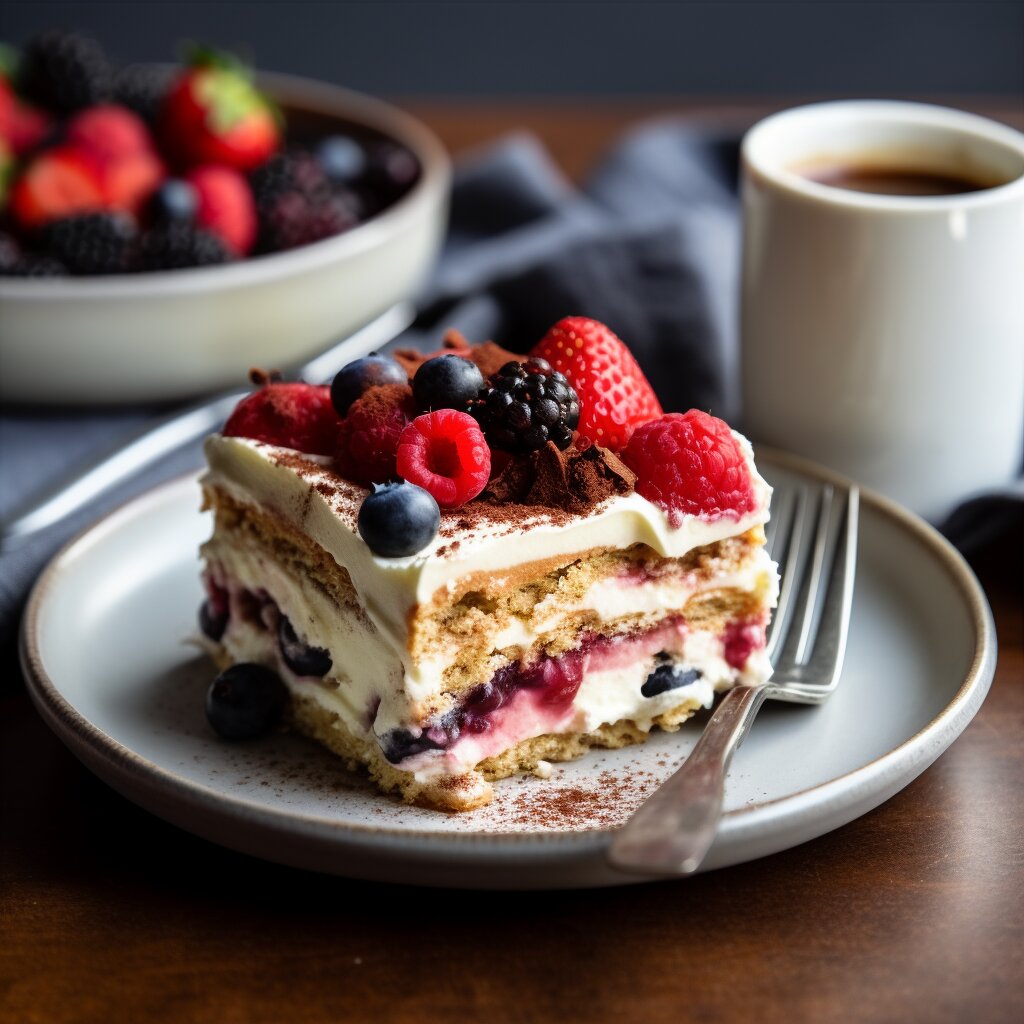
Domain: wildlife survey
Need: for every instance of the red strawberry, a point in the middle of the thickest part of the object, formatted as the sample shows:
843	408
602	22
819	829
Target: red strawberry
445	453
21	125
290	415
109	132
226	206
615	396
130	180
57	183
368	436
213	114
690	464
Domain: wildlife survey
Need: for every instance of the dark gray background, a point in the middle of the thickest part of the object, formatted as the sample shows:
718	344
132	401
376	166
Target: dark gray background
485	48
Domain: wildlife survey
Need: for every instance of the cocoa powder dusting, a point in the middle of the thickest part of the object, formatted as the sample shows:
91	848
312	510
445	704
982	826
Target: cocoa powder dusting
488	356
605	804
574	480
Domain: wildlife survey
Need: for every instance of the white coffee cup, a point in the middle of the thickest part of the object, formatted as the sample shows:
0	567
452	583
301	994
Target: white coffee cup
883	335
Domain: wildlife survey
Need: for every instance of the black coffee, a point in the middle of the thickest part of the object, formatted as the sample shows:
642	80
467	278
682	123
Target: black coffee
893	181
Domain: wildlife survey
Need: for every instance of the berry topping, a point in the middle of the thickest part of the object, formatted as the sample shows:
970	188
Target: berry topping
174	200
525	405
343	160
57	183
213	114
225	206
178	245
668	677
290	415
109	132
361	375
303	659
445	453
367	441
22	126
690	464
397	520
446	382
141	88
92	243
245	701
65	72
615	396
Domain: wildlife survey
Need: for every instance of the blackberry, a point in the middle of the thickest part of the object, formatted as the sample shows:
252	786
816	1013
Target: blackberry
10	253
293	219
141	88
91	243
34	265
178	245
525	405
294	171
64	72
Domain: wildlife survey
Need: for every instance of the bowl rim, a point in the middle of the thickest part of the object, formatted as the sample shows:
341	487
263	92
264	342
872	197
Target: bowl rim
316	96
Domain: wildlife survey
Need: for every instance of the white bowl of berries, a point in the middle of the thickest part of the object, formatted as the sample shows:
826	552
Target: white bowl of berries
165	229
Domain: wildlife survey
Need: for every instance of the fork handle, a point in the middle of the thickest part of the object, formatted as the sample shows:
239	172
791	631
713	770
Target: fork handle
673	829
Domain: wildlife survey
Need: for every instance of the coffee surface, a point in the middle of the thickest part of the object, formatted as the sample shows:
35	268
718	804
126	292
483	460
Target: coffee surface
895	181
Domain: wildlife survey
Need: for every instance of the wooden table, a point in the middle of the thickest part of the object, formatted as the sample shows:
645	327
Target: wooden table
913	913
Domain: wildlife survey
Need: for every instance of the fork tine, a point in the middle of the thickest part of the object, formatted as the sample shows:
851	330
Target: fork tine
812	587
790	558
826	659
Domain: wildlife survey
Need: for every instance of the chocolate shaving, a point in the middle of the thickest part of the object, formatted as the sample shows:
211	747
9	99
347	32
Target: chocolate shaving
488	356
574	480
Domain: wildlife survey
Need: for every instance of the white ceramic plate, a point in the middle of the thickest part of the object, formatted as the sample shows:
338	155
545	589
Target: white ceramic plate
108	669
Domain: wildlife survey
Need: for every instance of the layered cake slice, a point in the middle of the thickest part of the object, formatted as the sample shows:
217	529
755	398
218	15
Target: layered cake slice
451	570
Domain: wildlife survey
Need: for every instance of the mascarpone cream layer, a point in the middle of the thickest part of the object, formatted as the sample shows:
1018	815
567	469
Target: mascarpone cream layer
306	493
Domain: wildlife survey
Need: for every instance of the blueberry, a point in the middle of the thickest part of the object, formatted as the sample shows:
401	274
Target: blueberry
343	159
355	378
446	382
245	701
398	519
212	623
302	659
175	200
668	677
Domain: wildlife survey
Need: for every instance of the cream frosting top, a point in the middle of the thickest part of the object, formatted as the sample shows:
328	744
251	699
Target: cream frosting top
304	490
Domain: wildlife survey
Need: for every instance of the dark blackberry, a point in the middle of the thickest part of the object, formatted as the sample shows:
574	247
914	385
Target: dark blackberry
142	87
64	72
294	171
293	219
10	252
34	265
91	243
178	245
525	405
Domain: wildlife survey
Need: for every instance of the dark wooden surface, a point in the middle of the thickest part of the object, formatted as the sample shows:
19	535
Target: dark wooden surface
913	913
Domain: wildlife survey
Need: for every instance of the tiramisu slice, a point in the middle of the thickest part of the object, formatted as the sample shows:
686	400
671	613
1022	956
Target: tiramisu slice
449	575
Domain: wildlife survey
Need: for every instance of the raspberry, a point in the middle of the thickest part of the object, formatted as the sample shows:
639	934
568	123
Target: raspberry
290	415
445	453
615	396
109	132
690	464
367	440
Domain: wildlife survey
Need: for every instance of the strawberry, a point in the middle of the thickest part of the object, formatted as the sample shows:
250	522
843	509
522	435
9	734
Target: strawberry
109	132
615	396
226	207
22	126
130	180
213	114
57	183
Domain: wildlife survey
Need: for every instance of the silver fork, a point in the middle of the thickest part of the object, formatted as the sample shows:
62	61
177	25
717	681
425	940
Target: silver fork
813	537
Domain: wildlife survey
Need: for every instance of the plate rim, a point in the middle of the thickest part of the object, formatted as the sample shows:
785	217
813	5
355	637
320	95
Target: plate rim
88	742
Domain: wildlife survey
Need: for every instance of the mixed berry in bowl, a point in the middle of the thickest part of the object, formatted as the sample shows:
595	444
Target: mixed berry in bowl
107	170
